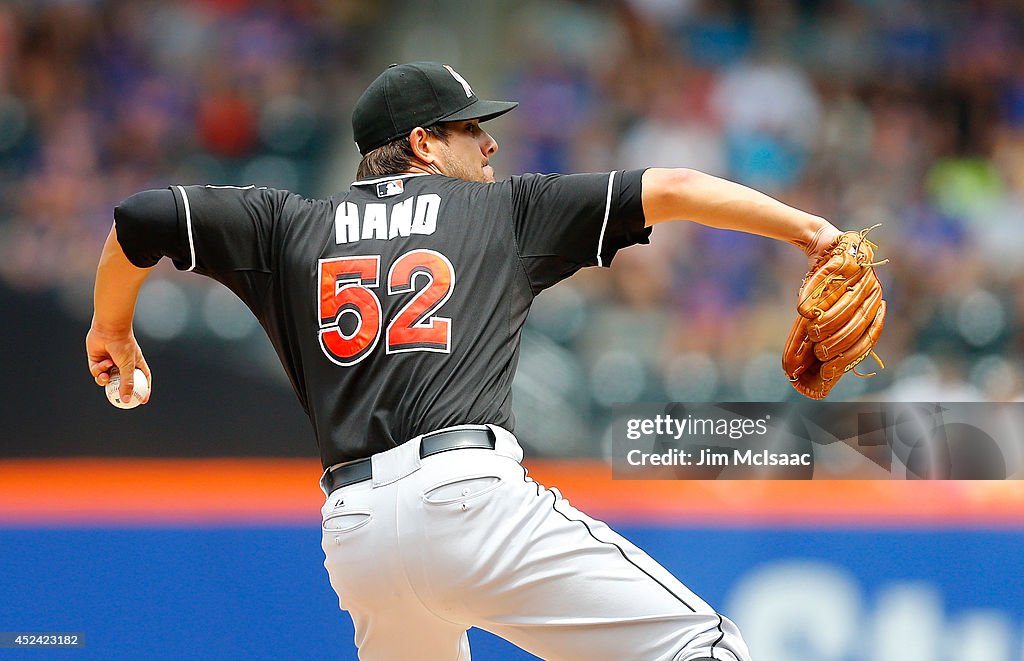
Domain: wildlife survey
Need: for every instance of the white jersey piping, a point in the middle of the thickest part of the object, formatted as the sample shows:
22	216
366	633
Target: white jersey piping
188	227
607	210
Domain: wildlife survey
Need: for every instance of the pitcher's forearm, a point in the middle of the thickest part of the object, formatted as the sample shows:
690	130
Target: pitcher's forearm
691	195
118	282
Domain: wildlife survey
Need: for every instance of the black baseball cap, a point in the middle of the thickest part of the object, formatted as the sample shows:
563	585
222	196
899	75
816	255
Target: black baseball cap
416	94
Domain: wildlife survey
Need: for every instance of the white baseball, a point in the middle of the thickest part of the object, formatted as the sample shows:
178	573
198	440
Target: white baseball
114	389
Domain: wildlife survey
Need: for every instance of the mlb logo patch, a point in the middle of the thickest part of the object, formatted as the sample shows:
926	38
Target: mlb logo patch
390	188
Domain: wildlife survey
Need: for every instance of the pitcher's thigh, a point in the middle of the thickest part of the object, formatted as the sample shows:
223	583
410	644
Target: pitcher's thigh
366	572
581	591
396	634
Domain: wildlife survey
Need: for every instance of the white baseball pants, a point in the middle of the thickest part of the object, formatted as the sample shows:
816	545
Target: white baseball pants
430	547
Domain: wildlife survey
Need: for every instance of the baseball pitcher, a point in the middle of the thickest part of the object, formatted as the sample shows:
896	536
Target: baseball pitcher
396	307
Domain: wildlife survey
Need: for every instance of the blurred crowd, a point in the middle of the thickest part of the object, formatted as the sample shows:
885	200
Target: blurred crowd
908	113
99	100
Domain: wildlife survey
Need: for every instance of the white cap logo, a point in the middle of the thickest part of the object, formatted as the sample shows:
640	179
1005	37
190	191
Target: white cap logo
456	76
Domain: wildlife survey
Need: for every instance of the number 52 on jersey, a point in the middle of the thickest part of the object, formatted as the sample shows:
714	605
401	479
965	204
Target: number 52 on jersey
346	288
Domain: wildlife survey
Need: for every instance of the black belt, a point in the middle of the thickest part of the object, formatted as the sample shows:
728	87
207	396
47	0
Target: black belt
440	441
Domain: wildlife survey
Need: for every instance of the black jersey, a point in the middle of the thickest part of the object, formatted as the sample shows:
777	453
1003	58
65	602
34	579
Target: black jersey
396	307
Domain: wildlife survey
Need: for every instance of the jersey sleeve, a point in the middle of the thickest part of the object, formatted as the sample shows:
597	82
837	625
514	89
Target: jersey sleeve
224	228
226	233
212	230
566	222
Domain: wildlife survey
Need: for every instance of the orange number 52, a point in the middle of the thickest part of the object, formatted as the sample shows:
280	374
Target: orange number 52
346	288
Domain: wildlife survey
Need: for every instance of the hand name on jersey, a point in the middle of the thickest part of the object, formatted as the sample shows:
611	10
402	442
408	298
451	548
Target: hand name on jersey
415	215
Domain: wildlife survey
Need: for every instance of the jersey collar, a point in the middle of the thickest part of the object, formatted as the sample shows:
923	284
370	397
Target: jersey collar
366	182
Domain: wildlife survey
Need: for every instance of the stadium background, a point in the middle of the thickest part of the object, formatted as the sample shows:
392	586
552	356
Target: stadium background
135	529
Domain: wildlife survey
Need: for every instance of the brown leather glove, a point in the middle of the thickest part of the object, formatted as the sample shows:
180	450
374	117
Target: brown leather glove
841	314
